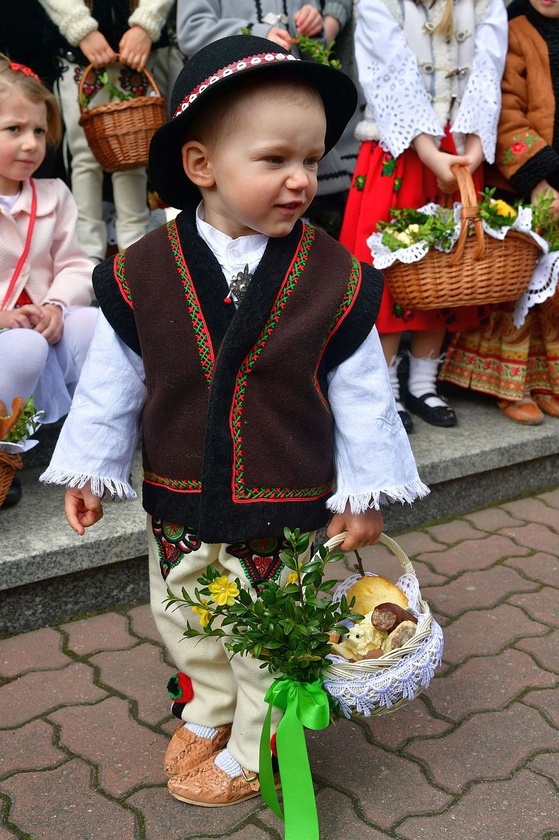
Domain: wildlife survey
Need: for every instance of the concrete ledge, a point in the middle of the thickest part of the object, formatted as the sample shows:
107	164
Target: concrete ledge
48	573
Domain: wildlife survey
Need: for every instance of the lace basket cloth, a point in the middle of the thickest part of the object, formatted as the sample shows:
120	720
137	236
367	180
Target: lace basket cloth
373	687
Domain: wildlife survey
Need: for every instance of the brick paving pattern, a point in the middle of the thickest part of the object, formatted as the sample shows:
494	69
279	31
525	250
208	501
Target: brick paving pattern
84	713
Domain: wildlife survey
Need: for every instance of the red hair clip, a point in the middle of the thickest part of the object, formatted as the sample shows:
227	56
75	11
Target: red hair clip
21	68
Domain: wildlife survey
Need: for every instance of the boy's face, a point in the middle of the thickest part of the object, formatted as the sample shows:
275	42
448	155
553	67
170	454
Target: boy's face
263	163
546	8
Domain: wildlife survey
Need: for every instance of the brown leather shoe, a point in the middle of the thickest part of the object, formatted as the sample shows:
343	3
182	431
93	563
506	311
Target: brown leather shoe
209	786
187	750
548	404
523	411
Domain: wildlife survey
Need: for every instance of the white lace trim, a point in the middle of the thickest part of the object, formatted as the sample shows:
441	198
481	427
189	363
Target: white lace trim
101	487
542	286
381	691
480	106
401	107
383	257
361	502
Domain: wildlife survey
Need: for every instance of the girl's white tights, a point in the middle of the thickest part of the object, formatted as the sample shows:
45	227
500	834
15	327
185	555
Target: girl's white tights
28	364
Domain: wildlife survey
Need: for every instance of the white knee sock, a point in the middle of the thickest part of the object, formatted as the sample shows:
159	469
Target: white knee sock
423	379
394	381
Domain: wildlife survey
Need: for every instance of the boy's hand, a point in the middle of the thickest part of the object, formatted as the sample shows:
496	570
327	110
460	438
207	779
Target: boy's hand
135	47
97	49
308	21
363	529
82	508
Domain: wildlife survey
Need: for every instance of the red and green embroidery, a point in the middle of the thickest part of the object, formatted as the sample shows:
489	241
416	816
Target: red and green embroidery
176	484
260	558
203	341
121	281
388	165
519	146
359	182
173	543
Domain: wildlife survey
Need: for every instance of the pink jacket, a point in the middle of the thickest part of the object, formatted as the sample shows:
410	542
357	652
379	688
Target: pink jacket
56	268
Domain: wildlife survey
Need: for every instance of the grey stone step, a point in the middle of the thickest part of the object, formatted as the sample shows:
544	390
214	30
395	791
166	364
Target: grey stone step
48	573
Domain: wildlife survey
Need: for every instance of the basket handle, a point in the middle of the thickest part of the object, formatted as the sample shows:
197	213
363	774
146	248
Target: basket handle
469	214
384	539
145	72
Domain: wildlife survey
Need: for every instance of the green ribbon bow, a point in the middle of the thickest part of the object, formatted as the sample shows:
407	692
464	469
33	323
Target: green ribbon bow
305	705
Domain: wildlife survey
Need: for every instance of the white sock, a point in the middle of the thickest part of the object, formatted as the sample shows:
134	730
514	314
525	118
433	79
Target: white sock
201	731
225	761
423	379
394	381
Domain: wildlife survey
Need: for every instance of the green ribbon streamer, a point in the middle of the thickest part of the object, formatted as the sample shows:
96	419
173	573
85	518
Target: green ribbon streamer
304	705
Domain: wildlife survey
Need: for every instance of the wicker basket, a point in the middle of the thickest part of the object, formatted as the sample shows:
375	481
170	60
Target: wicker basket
9	464
119	133
479	270
373	687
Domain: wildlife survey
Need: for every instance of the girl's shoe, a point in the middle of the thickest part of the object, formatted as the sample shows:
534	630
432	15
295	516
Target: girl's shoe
440	415
548	404
523	411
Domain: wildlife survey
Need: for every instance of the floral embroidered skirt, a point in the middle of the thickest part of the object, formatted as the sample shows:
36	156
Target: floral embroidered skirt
381	182
504	361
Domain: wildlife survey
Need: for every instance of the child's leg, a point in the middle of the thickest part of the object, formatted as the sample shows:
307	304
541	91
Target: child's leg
86	175
131	205
79	324
23	356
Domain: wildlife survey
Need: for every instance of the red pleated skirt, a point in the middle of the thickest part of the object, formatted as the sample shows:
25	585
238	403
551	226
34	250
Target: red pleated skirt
381	182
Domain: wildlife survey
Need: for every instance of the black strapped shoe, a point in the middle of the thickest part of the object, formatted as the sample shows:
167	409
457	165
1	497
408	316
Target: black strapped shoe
441	415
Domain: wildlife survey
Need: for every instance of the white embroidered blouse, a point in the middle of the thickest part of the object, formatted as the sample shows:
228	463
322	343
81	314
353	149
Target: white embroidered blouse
416	81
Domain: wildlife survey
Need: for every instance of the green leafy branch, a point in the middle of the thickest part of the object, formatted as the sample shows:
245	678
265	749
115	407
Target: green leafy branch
27	424
114	91
285	627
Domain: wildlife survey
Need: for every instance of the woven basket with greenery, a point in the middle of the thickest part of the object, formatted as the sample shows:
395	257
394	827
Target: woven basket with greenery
119	132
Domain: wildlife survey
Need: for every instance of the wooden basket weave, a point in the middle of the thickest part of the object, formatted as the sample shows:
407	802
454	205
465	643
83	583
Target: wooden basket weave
478	270
8	466
119	133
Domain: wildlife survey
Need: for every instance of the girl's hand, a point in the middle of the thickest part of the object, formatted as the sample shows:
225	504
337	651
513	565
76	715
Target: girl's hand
308	21
545	189
135	47
24	317
440	163
97	49
362	528
82	508
474	152
51	324
280	36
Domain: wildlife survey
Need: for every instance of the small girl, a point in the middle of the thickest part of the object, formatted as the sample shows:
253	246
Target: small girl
430	73
521	366
46	323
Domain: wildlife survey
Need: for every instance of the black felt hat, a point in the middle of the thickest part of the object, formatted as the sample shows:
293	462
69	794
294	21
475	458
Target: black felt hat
215	68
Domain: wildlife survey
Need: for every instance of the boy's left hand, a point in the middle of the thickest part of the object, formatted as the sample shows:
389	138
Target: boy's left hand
363	529
308	21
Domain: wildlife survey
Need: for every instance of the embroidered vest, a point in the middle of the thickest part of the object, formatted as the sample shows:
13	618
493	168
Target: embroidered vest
237	432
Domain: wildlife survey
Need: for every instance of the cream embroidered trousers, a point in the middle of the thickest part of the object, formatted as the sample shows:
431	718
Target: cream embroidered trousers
226	689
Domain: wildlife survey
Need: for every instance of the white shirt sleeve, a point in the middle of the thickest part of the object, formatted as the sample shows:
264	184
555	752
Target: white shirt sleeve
390	78
374	462
480	107
99	436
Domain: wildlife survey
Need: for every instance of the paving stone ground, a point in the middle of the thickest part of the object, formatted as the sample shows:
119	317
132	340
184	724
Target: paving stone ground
84	713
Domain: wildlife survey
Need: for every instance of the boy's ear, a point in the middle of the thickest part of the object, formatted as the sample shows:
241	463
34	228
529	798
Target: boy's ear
196	163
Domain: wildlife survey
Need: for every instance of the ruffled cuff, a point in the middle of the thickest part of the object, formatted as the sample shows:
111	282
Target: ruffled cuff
103	488
480	107
360	502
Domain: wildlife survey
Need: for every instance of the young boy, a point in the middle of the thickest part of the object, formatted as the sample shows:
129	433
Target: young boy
245	339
